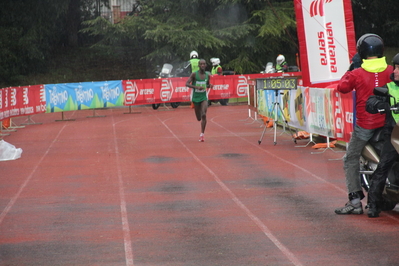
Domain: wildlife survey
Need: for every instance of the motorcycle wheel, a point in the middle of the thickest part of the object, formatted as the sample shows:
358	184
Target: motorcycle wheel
155	106
175	105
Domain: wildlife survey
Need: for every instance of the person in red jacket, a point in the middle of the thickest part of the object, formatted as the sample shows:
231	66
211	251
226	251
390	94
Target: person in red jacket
374	72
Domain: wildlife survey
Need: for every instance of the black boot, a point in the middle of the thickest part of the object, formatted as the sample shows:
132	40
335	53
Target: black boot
374	210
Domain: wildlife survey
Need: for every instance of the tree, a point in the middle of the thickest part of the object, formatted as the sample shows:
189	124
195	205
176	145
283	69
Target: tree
243	34
30	30
371	16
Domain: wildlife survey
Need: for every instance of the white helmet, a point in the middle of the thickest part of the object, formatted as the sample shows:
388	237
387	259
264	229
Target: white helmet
280	58
193	54
215	61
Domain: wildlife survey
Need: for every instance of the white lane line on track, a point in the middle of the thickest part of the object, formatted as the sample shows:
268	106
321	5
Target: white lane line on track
25	183
125	222
280	158
292	164
289	255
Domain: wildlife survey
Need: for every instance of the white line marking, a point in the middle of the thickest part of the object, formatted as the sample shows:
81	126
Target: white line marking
25	183
279	158
125	222
294	165
290	256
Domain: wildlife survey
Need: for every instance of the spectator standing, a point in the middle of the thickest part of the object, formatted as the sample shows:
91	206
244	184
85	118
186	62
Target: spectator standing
216	67
194	61
374	72
281	64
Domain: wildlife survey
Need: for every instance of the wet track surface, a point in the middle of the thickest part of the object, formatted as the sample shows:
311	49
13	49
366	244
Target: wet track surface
139	189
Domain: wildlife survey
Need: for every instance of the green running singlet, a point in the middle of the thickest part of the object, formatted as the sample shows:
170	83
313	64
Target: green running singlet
200	96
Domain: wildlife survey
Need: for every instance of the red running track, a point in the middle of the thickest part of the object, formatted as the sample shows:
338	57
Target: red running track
139	189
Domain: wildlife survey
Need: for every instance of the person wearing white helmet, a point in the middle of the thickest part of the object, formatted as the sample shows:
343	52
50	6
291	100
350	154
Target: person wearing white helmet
194	61
281	64
216	68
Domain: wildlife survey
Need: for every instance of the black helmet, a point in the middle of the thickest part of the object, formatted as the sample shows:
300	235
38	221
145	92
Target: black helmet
395	60
370	45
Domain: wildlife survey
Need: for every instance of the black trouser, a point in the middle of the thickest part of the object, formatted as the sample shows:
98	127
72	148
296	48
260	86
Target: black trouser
388	156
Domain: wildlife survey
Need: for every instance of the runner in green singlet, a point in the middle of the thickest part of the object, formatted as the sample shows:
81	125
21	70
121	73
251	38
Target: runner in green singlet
199	81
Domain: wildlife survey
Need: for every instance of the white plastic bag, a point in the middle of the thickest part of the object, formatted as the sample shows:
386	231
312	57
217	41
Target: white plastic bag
8	151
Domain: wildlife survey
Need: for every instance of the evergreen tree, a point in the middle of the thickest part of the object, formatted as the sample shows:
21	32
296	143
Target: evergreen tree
243	34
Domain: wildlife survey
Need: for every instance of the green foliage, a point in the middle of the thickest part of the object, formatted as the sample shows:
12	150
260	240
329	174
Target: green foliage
28	32
374	16
244	34
231	30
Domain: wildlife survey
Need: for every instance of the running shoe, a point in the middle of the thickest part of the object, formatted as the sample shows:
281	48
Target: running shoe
201	138
350	208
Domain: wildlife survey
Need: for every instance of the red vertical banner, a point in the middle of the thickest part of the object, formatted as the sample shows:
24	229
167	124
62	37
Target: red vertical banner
31	100
25	100
4	103
343	115
326	39
304	66
2	106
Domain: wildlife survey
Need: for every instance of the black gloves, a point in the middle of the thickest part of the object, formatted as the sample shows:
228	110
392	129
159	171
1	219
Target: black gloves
356	62
375	103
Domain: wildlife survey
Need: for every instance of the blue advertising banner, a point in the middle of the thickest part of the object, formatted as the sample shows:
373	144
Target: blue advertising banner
84	95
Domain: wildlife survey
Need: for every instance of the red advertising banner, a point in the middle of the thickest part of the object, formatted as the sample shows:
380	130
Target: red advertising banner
326	111
31	100
151	91
18	101
4	110
343	115
326	39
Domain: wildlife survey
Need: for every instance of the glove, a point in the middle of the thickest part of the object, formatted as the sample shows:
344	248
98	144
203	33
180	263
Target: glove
356	62
374	103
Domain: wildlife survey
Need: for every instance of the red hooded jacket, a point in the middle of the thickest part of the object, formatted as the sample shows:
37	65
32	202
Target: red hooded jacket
373	73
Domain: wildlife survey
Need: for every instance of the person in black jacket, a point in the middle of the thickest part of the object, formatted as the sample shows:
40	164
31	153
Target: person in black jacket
388	153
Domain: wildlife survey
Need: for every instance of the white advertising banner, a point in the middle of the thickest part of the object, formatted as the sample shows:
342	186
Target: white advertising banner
325	32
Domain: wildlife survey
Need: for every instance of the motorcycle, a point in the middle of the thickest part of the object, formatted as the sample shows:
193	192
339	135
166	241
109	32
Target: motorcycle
166	72
370	158
269	68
